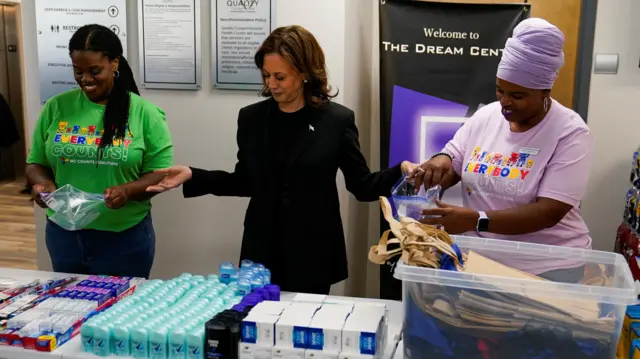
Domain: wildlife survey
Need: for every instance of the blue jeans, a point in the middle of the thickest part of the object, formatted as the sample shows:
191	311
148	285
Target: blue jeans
127	253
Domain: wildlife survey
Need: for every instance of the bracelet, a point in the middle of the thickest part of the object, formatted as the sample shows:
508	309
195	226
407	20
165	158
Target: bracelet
442	154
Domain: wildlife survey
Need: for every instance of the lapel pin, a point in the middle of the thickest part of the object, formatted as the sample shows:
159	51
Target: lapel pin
311	129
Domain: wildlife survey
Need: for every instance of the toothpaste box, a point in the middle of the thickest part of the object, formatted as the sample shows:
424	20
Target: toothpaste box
254	351
302	308
325	330
258	328
356	356
321	354
363	332
270	308
309	298
288	353
292	330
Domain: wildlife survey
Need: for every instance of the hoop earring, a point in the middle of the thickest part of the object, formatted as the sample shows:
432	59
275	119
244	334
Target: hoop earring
116	74
546	104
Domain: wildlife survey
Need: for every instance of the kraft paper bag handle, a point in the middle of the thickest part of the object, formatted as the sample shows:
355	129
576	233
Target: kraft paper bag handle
420	244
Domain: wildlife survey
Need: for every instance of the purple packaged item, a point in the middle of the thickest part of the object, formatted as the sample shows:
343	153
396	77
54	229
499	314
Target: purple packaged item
85	283
274	292
251	298
262	293
100	298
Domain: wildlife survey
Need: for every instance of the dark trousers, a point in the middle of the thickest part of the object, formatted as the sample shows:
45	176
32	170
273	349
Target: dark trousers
92	252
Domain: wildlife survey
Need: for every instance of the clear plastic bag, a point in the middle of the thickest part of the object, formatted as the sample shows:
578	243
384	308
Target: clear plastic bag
410	203
74	209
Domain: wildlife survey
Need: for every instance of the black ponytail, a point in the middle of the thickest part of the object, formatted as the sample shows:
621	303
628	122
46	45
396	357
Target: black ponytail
116	114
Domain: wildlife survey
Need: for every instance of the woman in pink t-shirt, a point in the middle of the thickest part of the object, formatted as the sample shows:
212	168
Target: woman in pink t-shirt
523	161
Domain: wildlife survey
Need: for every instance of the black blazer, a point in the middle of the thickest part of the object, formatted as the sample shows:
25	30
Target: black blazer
309	229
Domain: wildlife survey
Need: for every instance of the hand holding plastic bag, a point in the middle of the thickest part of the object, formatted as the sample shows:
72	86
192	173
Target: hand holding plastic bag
410	202
74	209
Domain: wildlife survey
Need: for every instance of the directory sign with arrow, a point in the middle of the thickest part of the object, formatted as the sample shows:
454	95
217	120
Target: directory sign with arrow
56	22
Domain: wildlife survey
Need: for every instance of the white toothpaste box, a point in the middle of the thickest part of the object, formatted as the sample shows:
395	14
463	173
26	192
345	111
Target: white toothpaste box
325	330
377	308
321	354
292	329
303	307
288	353
259	329
309	298
349	303
363	333
270	308
254	351
355	356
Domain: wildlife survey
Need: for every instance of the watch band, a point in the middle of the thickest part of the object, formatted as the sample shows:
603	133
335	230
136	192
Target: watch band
443	154
483	222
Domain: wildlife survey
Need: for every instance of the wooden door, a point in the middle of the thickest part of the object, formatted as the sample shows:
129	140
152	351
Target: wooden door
565	14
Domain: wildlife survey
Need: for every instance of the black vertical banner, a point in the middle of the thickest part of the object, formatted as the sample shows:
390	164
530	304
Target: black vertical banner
438	65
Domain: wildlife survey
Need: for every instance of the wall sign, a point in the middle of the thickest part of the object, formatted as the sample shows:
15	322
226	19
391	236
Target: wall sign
56	22
169	38
238	28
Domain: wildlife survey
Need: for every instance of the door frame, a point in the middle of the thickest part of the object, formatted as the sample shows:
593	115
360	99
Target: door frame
584	59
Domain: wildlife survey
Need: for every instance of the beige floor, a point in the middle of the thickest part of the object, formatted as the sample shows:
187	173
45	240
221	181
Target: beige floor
17	228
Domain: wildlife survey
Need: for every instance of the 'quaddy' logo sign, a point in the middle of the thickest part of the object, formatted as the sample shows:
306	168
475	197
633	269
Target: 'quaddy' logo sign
246	4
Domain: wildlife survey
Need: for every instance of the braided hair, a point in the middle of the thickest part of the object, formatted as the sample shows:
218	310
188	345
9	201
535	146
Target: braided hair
98	38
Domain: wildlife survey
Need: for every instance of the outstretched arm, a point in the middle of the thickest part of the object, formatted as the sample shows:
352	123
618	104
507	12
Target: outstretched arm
198	182
365	185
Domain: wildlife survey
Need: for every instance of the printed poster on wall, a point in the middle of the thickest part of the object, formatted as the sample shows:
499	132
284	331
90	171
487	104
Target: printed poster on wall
57	21
438	65
169	44
238	28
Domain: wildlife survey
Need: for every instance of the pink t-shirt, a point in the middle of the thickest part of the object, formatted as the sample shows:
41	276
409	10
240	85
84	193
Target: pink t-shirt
501	169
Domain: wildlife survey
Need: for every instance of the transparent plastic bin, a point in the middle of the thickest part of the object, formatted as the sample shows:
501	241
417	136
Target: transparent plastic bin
451	314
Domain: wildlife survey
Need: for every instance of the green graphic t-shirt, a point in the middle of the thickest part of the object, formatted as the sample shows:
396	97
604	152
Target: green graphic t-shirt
66	139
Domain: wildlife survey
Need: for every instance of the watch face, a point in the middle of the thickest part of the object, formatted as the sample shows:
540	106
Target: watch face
483	224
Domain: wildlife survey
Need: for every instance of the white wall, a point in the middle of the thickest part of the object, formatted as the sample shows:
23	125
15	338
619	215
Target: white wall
613	119
203	126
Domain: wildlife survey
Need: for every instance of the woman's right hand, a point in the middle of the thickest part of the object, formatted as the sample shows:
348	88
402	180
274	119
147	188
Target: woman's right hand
38	190
436	171
174	177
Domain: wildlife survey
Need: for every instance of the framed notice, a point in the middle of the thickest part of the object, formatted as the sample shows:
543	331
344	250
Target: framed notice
238	28
169	44
56	22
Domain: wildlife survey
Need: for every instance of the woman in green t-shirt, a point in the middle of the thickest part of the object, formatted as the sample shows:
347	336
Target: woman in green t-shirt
101	138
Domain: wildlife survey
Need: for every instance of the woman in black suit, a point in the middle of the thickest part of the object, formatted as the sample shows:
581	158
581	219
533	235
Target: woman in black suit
290	148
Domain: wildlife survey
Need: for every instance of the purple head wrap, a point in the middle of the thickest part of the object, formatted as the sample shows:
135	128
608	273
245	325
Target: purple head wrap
533	56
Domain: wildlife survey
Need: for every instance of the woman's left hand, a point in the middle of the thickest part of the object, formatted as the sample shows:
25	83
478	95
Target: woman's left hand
456	220
408	167
115	197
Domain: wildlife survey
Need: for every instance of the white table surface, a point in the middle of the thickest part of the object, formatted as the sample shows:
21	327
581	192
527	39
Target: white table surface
73	348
